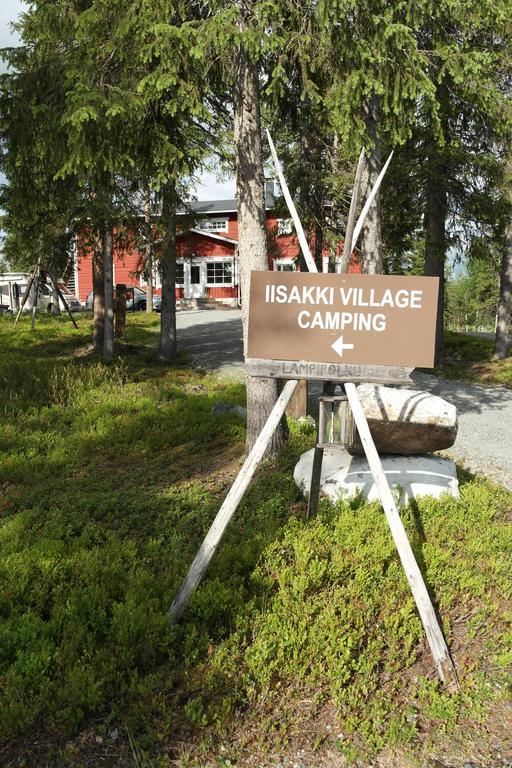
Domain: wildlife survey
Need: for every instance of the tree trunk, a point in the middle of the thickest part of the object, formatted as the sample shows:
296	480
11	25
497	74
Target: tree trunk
371	234
120	314
55	296
108	330
98	285
502	339
167	348
252	242
319	247
149	252
435	240
436	211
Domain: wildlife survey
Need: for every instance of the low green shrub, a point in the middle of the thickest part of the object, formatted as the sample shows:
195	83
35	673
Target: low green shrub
110	478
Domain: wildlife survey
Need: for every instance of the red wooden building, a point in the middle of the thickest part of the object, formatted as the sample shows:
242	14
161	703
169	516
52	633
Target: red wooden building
207	265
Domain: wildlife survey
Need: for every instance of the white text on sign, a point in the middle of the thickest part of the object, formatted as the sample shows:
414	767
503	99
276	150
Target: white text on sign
344	297
355	297
357	319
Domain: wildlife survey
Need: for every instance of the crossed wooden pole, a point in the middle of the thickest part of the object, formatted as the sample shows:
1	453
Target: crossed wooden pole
35	277
443	662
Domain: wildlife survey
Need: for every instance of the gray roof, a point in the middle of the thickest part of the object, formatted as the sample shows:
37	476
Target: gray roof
220	206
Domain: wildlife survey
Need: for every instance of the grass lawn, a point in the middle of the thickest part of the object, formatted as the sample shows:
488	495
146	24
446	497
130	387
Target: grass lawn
471	358
302	646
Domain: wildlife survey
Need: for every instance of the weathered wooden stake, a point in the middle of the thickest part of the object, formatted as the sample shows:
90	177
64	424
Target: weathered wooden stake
306	252
298	405
314	488
26	295
230	505
368	204
61	297
349	234
37	283
444	664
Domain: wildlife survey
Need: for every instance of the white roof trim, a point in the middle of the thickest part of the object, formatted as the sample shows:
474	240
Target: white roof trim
213	235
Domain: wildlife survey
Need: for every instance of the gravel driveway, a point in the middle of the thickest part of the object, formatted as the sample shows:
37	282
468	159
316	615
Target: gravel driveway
484	441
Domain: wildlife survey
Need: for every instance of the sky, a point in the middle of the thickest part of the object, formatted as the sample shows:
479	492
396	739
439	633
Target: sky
9	11
209	187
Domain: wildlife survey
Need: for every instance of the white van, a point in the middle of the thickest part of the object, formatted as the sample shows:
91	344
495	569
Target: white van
13	286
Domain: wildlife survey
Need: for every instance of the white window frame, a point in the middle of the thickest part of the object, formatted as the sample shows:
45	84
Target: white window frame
218	260
213	224
280	263
157	279
284	227
181	263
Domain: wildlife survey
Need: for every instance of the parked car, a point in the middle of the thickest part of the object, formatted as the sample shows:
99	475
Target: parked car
136	300
13	286
71	300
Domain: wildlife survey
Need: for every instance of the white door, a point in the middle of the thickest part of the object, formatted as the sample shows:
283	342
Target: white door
196	281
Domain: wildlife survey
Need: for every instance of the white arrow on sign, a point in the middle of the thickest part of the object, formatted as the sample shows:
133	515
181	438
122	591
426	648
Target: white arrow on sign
339	346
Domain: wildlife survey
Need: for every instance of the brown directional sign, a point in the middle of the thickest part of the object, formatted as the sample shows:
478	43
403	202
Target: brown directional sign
344	319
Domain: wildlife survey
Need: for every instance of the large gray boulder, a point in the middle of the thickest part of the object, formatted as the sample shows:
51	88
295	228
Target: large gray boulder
409	477
405	421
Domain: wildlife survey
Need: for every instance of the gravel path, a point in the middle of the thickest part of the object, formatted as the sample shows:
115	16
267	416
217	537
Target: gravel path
213	338
484	440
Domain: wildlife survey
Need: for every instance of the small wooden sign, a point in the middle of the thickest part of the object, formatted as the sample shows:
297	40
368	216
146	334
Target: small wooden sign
341	321
301	369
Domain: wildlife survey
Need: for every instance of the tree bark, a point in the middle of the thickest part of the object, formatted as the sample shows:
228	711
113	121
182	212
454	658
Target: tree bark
371	234
55	296
502	340
435	240
120	314
252	242
98	285
436	202
436	211
167	348
149	252
108	262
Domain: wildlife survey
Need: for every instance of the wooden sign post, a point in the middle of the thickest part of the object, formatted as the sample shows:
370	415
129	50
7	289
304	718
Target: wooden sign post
349	329
373	328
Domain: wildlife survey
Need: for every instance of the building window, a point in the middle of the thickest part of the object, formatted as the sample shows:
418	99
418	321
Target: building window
284	226
280	265
219	273
157	279
213	225
180	273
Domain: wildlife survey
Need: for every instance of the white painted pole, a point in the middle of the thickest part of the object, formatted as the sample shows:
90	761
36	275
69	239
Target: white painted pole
436	641
230	505
349	234
291	207
368	203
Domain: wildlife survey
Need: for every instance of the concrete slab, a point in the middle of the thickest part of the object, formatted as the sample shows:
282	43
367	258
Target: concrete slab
410	476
